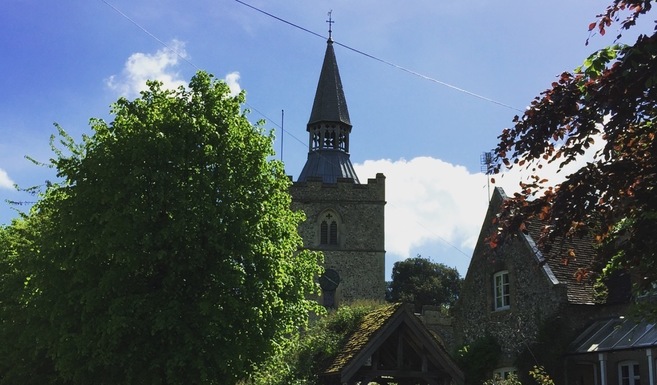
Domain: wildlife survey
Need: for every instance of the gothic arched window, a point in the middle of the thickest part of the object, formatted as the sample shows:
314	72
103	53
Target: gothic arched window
328	229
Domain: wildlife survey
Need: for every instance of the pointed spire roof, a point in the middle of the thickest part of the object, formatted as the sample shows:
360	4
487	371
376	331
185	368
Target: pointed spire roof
329	128
330	104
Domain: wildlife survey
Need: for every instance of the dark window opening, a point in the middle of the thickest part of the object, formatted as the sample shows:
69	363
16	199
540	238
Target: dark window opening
328	231
324	233
333	234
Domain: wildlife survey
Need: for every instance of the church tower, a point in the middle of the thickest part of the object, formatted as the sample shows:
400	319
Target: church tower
344	218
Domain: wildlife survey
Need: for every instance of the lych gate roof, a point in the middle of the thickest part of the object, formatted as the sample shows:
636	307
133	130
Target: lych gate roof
370	324
392	345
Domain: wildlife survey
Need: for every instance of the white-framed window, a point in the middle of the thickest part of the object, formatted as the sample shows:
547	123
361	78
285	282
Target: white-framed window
629	373
328	229
504	373
501	290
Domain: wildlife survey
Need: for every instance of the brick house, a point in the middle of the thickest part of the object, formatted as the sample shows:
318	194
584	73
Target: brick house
541	309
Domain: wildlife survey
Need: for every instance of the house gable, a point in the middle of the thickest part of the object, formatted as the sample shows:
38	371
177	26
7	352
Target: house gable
535	290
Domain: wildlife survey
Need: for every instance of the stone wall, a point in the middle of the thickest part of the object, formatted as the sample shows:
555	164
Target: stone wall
533	299
540	316
359	256
440	324
534	294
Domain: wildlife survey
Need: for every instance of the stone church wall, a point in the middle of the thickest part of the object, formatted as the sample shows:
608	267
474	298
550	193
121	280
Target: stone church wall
359	256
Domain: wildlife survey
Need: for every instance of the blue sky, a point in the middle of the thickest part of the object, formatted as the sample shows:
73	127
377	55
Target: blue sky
66	62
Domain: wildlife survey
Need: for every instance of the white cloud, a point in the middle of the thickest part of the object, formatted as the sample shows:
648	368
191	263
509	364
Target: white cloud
141	67
160	66
5	180
429	200
437	207
232	79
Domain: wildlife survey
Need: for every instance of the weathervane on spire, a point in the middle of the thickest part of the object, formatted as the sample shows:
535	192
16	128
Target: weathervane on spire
330	22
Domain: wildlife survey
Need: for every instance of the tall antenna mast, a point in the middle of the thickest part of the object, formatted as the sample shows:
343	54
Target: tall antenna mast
486	161
282	131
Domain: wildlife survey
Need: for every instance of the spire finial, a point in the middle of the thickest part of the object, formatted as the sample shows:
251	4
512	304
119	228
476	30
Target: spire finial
330	22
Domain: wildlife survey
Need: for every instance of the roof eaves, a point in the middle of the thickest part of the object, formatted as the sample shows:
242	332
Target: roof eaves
540	259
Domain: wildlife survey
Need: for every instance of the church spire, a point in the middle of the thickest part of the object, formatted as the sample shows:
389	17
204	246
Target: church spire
329	125
330	103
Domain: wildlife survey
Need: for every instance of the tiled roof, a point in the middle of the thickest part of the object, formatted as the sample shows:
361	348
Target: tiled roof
370	324
330	104
385	338
570	260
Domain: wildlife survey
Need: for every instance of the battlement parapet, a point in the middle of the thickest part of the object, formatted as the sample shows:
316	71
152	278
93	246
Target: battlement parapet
343	189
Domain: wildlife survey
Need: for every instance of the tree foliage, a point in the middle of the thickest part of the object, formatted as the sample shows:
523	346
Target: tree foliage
309	353
422	282
610	98
23	361
537	374
167	254
478	359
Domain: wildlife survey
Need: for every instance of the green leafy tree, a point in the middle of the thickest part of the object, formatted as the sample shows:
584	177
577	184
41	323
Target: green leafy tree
422	282
511	380
167	254
537	374
611	97
478	359
23	362
306	355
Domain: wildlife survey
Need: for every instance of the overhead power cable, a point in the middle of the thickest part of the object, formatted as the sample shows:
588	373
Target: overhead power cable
183	57
409	71
281	19
150	34
259	112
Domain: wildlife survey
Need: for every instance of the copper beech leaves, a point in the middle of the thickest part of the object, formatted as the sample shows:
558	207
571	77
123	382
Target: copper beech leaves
612	198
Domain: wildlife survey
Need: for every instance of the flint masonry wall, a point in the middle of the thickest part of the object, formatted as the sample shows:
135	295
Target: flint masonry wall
534	297
359	256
